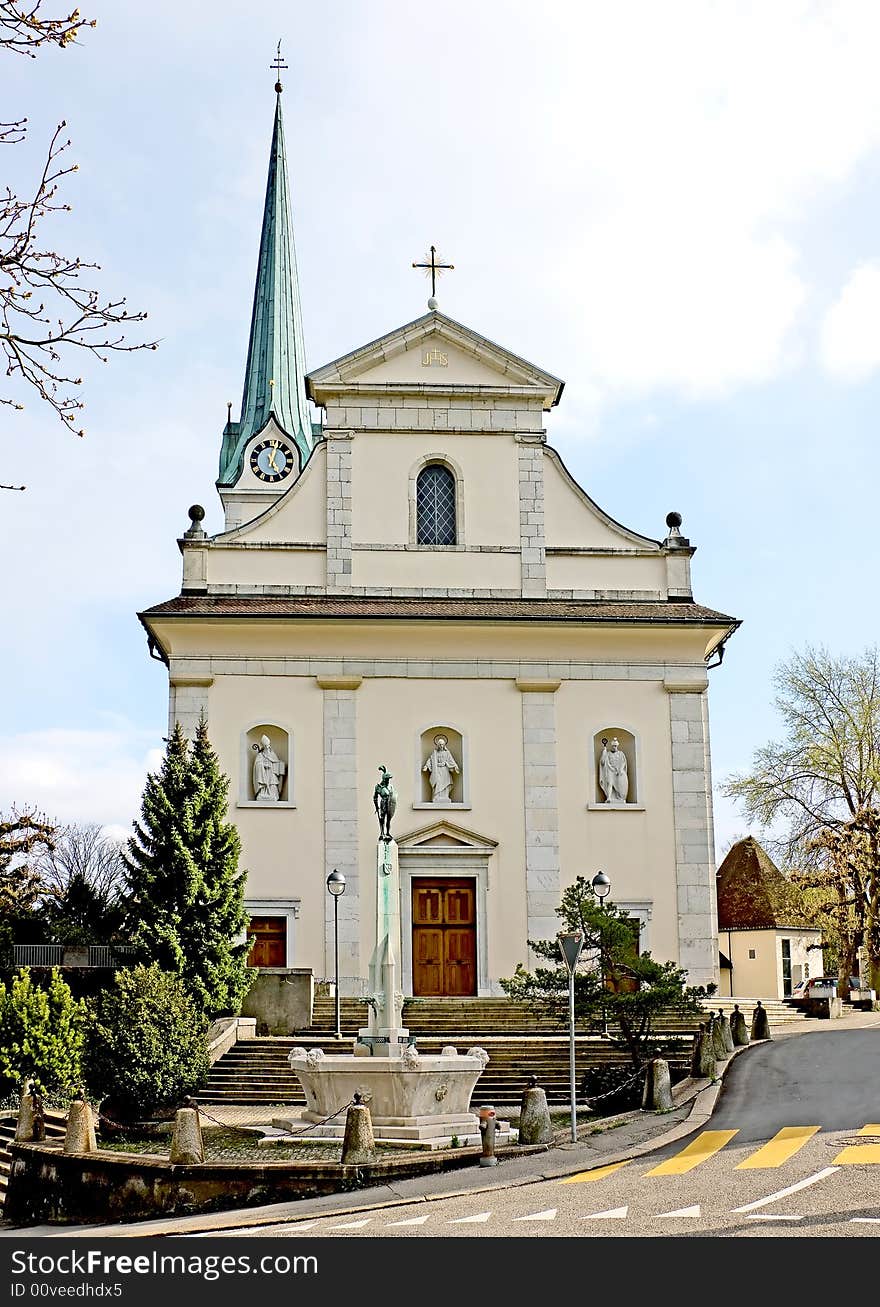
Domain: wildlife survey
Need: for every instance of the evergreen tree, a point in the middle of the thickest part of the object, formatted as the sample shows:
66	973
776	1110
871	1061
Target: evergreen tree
187	893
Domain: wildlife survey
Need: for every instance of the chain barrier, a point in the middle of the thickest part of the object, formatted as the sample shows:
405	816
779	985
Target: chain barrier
609	1093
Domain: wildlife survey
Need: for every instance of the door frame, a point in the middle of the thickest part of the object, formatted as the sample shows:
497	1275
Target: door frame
470	881
445	850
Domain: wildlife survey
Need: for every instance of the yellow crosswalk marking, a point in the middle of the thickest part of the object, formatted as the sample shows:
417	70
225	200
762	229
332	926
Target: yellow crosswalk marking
705	1144
598	1174
780	1148
858	1155
870	1130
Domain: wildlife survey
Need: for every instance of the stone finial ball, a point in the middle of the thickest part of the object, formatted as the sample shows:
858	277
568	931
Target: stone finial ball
673	520
196	513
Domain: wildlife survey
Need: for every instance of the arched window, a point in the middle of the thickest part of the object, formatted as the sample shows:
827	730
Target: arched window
435	506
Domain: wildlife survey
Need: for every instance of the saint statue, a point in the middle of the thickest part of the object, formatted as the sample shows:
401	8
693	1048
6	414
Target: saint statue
612	772
268	772
441	767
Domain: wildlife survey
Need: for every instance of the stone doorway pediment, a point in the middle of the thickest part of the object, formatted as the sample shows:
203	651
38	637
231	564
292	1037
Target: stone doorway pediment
445	835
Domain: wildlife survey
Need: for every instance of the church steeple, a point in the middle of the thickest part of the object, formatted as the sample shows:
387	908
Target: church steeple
274	385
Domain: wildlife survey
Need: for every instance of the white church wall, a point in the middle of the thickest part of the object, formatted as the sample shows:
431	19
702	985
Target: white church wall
420	569
572	520
382	469
300	514
579	572
247	567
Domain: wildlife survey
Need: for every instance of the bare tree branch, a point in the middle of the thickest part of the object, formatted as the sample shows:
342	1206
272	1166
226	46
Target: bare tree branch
23	30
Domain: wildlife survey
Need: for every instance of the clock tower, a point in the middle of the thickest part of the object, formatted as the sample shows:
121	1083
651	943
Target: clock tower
265	450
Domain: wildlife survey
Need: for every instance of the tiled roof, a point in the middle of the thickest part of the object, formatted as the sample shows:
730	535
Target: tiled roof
419	609
753	894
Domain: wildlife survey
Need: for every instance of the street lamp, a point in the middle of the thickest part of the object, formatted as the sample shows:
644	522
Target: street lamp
570	946
601	887
336	886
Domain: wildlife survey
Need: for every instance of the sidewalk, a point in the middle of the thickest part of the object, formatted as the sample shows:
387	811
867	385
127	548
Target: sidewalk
628	1136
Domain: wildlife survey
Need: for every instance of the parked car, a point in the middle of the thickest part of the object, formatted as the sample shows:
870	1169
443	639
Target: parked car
815	987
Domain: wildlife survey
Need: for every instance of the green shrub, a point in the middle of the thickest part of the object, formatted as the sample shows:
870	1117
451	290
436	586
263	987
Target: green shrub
146	1046
41	1035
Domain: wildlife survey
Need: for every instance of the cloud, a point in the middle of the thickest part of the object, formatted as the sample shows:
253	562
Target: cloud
850	338
78	775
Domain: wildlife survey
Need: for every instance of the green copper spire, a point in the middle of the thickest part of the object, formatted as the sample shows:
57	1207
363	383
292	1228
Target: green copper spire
274	383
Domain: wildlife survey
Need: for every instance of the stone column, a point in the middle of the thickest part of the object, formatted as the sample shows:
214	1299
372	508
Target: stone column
341	827
541	808
338	510
187	701
531	515
694	831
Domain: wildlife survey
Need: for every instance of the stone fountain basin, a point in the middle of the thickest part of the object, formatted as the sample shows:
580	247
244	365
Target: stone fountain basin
395	1090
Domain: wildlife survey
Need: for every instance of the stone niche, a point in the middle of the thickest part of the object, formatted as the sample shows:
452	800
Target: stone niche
627	746
281	742
460	789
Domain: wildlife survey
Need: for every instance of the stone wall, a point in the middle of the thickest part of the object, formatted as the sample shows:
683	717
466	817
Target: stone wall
280	1000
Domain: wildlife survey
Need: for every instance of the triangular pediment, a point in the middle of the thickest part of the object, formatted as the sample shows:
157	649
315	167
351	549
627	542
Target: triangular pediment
445	834
433	351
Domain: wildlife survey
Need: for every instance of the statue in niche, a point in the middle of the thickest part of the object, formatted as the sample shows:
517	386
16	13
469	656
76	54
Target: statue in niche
268	772
613	776
441	768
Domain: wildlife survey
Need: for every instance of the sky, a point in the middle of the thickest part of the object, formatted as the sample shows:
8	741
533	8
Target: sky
675	208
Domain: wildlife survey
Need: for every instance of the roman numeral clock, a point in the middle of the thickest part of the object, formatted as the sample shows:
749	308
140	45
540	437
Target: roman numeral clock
272	460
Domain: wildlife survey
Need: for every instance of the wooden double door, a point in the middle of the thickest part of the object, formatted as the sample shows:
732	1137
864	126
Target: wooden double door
268	937
444	937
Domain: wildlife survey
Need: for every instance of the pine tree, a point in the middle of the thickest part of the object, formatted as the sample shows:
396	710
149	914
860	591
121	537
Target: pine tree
188	912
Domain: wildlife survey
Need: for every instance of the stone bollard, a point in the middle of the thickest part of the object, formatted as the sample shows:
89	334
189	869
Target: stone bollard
738	1028
717	1039
726	1033
187	1146
760	1023
534	1116
31	1124
657	1093
696	1051
487	1130
708	1066
358	1144
79	1136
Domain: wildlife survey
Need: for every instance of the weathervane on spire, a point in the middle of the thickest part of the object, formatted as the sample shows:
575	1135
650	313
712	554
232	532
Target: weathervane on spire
278	67
436	269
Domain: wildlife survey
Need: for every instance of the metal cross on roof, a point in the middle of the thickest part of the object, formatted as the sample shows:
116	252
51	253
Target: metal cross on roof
278	66
435	268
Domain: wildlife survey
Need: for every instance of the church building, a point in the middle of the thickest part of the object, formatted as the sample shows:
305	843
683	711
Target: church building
410	577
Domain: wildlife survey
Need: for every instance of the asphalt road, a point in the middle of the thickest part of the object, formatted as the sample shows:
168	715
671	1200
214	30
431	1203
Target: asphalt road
793	1148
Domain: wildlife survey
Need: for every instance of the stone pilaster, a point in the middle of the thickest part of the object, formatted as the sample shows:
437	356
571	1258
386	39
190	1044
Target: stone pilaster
188	702
341	827
338	510
541	805
531	515
694	833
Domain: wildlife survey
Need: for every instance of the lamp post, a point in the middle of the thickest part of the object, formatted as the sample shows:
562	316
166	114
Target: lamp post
570	946
336	886
601	887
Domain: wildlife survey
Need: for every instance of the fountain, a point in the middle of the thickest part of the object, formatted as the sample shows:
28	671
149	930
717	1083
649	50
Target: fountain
415	1101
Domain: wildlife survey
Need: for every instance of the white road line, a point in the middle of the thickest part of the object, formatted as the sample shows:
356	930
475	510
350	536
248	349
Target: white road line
864	1220
613	1214
413	1220
792	1189
682	1211
549	1215
471	1220
352	1225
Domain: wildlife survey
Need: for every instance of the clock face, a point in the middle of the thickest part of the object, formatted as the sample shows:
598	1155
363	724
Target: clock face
272	460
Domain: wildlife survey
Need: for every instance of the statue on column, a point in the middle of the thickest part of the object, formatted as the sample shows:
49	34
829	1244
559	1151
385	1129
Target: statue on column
268	772
612	772
441	768
385	803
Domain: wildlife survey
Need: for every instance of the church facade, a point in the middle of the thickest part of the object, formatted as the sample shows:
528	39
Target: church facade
417	582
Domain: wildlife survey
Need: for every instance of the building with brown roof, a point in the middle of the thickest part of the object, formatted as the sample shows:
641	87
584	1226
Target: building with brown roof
767	942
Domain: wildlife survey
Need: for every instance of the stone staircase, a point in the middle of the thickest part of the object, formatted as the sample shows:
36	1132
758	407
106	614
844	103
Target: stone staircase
55	1128
779	1013
519	1042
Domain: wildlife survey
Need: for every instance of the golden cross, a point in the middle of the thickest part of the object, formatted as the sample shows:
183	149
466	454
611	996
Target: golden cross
434	268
